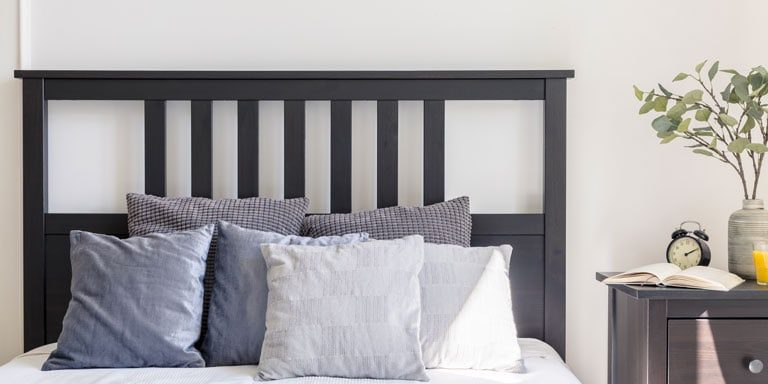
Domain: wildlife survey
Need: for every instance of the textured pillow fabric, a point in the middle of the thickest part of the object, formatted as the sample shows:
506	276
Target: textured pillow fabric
448	222
466	315
239	300
149	214
344	310
135	302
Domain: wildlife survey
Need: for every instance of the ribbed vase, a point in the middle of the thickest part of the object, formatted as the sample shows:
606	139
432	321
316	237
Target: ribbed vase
746	226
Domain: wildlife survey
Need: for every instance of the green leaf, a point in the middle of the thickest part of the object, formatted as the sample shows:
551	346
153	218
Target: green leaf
651	95
660	104
755	111
638	93
726	93
713	70
757	147
731	71
757	91
662	135
683	126
738	145
713	144
647	107
761	70
740	86
693	97
703	152
668	139
699	66
680	76
677	111
664	90
703	114
755	80
748	125
662	124
728	120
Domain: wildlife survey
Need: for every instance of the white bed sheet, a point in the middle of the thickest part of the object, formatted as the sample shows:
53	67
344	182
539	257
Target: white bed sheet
543	364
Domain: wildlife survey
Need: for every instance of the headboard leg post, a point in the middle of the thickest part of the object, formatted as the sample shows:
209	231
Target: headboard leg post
35	149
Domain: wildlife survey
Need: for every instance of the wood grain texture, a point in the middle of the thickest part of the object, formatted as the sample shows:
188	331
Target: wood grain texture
717	351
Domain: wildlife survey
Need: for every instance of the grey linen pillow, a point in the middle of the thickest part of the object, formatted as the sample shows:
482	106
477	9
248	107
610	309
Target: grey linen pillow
344	310
135	302
150	214
239	301
466	309
449	222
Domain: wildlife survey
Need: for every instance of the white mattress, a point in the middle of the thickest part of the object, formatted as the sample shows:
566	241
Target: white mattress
543	363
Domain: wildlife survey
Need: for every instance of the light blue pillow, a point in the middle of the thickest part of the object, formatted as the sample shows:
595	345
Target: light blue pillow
135	303
239	303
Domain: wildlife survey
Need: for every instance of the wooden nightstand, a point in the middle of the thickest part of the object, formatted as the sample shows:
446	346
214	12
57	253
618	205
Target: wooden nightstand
686	336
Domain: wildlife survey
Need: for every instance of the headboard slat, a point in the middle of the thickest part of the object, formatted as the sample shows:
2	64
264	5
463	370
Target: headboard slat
294	148
386	153
202	149
341	156
434	151
247	148
154	147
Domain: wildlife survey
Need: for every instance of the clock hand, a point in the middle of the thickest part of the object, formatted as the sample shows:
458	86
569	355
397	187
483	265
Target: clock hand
691	251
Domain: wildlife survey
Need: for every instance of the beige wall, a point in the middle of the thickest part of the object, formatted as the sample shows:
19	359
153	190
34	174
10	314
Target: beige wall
10	184
625	192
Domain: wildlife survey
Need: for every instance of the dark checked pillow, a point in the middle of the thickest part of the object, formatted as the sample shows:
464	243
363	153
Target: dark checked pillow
448	222
150	214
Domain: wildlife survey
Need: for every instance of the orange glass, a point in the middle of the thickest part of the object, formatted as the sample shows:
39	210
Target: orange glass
760	255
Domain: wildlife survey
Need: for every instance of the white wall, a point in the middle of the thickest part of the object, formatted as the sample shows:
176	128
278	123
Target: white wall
625	192
10	184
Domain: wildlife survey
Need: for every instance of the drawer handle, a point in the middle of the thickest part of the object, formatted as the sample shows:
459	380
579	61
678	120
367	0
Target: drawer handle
755	366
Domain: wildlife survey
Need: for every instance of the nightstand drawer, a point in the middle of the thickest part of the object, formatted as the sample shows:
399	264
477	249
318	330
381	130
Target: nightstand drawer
703	351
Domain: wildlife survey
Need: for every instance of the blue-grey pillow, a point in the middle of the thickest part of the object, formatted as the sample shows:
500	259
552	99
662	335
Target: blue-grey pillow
239	300
135	302
350	310
149	214
448	222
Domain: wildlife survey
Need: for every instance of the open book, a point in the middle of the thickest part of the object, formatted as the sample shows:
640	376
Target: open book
666	274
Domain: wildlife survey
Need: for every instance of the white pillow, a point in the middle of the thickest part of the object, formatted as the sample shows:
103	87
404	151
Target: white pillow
347	310
466	309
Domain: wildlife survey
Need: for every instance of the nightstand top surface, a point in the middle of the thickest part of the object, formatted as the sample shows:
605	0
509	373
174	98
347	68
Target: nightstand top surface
748	290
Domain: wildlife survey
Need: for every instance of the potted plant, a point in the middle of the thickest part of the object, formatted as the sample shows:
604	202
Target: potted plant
728	124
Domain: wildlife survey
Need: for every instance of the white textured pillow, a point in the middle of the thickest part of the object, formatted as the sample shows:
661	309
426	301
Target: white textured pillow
466	316
348	310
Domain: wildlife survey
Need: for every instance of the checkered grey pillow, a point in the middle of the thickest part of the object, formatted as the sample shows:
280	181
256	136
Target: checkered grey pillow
448	222
149	214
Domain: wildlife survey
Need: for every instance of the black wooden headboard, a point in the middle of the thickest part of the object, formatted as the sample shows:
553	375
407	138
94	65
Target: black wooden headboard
538	264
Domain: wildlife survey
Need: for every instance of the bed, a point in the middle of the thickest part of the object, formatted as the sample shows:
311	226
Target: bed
537	270
543	363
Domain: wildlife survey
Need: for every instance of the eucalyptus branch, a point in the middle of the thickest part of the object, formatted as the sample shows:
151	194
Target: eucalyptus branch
743	92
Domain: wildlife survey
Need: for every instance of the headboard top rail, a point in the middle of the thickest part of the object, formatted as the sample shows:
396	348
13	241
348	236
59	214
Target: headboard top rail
297	75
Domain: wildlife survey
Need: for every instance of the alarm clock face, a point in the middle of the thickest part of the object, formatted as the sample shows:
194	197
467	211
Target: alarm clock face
685	252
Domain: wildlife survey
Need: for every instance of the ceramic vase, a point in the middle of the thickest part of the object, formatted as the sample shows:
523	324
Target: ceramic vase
746	226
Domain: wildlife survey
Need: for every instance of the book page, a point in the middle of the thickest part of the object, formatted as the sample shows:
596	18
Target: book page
647	274
705	278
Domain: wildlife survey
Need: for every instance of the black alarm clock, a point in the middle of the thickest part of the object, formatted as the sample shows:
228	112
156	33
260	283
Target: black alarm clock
689	248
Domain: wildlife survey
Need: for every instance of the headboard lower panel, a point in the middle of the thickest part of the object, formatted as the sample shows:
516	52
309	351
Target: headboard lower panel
537	270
